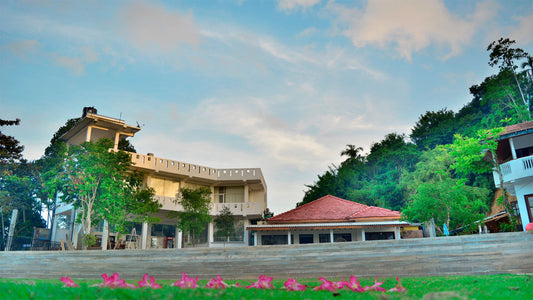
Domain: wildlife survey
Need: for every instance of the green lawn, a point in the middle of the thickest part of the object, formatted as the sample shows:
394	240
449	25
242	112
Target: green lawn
454	287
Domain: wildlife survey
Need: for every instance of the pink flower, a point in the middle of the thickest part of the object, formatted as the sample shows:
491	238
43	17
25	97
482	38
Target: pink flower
216	283
354	285
262	283
398	288
293	285
144	282
375	287
186	282
68	282
325	286
114	281
339	284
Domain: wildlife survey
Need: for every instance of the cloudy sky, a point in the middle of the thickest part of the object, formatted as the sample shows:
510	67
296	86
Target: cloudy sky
281	85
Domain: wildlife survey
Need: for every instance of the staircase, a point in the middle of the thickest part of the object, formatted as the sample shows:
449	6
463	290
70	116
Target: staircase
443	256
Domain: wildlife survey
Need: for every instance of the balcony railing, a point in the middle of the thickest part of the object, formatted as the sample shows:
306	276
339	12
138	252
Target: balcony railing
514	170
237	209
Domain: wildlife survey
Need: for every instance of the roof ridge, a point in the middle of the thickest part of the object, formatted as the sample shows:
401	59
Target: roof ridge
297	207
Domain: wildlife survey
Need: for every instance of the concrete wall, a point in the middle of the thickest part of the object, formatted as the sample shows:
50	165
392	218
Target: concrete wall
465	255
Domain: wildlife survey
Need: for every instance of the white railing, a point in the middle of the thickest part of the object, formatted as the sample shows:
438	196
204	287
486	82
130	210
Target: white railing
239	209
515	169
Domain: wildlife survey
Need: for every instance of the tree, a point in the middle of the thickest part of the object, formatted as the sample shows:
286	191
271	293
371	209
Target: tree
505	57
196	204
433	128
10	149
434	193
225	224
352	152
97	182
478	155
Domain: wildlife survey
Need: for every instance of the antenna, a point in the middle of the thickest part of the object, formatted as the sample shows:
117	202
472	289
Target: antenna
120	118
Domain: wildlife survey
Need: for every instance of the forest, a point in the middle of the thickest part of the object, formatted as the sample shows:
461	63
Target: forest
422	174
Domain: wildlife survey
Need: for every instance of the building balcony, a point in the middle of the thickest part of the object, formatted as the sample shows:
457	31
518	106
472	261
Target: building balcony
237	209
515	170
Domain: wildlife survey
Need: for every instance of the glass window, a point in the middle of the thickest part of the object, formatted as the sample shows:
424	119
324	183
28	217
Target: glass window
324	238
274	239
373	236
306	238
342	237
63	221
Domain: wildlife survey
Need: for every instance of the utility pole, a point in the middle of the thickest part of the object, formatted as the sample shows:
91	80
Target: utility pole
12	225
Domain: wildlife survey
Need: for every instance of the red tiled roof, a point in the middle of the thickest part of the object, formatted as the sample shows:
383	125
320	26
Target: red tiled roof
517	128
333	209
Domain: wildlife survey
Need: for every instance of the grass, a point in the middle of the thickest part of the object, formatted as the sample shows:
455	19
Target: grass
452	287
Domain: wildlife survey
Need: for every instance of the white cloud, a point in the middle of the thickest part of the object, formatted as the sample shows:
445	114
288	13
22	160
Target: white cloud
151	27
23	48
523	32
74	64
411	25
295	4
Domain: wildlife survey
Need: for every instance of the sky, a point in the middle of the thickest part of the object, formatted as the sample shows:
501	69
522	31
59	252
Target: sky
279	85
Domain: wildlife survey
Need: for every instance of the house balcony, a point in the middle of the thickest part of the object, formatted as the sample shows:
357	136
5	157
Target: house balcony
515	170
237	209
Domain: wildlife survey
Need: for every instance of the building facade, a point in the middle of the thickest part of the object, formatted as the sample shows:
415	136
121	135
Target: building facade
515	156
329	220
242	190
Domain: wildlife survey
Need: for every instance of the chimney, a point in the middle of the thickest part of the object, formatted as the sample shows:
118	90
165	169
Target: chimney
89	110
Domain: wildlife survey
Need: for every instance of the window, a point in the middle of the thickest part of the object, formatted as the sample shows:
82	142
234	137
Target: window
63	221
277	239
237	236
342	237
306	239
324	238
373	236
230	194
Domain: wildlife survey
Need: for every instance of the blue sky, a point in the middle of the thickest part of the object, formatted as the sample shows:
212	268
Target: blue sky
281	85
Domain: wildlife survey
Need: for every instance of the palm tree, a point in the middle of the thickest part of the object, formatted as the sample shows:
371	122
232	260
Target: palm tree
528	63
352	152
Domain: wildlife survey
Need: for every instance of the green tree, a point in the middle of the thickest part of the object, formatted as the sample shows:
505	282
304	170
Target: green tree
433	192
97	182
433	128
196	204
478	155
225	224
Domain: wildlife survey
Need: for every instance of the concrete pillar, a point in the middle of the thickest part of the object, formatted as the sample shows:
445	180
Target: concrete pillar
246	200
513	150
117	139
363	237
54	229
289	238
331	236
89	132
105	235
245	239
256	239
144	236
210	238
397	234
179	238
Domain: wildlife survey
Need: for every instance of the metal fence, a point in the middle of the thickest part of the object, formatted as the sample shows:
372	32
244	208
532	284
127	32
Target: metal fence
30	244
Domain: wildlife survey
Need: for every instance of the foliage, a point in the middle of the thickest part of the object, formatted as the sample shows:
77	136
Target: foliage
225	223
435	194
433	128
98	183
10	149
195	216
89	239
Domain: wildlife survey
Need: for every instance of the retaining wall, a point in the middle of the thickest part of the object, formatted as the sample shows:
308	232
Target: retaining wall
459	255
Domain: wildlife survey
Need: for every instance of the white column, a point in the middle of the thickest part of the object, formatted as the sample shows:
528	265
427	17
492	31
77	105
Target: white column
246	200
117	139
105	235
398	235
210	230
331	236
54	229
513	151
256	239
245	238
179	238
89	132
144	235
363	238
289	238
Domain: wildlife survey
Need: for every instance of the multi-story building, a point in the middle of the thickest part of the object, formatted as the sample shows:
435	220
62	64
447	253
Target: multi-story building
242	190
515	155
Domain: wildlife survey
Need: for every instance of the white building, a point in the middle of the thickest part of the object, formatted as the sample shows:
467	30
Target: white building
515	154
243	190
